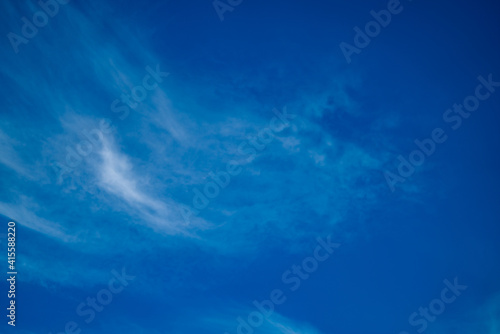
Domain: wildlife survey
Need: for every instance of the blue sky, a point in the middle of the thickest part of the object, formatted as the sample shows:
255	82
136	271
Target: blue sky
100	184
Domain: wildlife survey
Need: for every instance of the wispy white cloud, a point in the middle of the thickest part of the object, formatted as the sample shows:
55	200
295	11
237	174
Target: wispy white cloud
151	162
24	213
116	175
9	156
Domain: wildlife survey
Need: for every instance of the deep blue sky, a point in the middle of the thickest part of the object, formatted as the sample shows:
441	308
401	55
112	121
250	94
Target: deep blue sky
322	174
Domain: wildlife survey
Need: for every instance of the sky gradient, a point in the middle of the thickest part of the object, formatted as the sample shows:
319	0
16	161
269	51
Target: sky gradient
228	167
